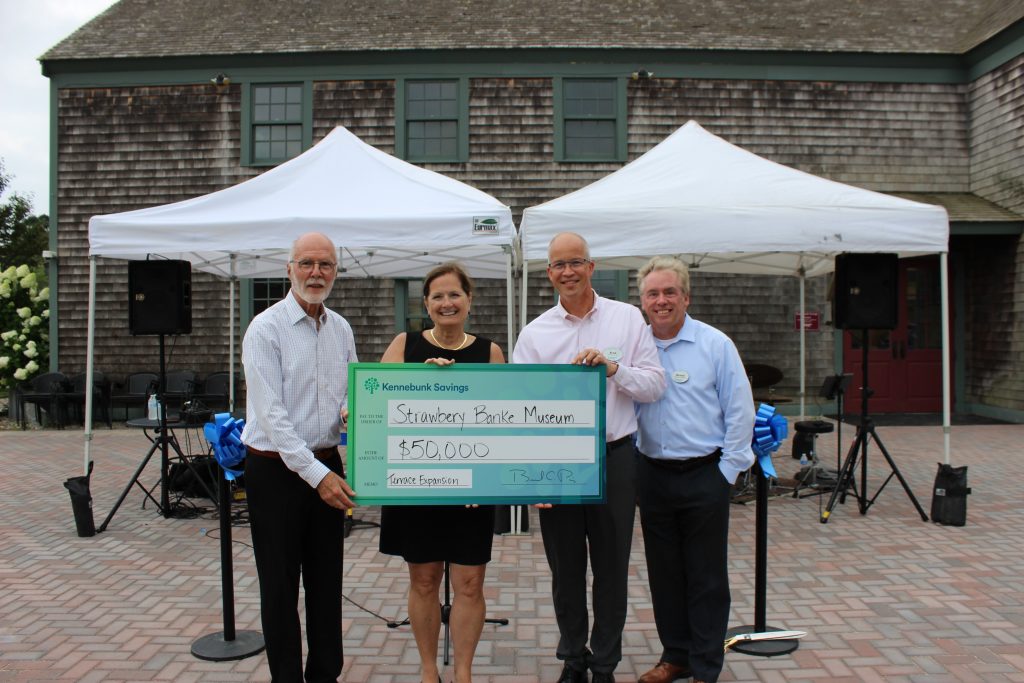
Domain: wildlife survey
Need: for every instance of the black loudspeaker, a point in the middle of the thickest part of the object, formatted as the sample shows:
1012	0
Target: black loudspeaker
866	291
159	297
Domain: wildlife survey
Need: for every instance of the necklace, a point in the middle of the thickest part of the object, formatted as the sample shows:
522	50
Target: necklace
465	337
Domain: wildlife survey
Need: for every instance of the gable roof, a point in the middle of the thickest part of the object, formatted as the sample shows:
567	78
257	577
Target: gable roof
156	28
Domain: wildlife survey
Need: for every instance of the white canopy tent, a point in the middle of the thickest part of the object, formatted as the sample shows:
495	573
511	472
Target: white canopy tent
726	210
388	218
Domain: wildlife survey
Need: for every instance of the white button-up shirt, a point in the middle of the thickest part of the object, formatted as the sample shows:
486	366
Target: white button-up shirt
297	383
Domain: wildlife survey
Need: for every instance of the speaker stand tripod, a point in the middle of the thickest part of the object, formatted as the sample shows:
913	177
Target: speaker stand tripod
859	448
164	442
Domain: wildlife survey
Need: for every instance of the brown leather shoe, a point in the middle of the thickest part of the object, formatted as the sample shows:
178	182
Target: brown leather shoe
665	673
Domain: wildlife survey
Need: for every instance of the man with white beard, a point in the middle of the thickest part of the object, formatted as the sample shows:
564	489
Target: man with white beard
296	356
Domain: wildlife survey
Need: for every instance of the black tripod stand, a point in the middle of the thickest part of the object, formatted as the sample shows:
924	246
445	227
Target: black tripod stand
162	441
865	430
446	612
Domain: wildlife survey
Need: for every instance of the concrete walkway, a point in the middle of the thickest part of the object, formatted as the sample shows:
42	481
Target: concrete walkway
883	597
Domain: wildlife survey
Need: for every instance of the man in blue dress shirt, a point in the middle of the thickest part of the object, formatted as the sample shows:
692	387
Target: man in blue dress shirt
692	445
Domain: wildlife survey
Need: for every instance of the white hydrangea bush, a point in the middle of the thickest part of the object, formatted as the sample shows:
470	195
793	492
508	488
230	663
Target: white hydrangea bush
24	325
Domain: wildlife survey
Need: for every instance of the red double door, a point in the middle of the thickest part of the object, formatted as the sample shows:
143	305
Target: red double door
904	364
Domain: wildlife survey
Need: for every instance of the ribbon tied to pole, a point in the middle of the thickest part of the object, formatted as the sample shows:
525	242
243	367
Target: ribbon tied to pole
225	435
770	431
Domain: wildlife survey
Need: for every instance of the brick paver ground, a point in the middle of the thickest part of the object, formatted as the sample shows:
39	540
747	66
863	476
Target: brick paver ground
883	597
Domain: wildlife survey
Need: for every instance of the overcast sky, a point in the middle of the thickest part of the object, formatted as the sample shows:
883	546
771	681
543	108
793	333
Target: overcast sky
28	28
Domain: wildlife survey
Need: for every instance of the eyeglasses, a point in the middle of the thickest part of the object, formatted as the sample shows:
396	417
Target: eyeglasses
575	264
307	266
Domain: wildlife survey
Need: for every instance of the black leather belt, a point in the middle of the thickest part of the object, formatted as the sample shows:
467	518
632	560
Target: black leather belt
319	453
618	442
685	464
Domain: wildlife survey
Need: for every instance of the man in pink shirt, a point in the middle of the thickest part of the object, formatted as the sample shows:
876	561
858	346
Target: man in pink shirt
586	329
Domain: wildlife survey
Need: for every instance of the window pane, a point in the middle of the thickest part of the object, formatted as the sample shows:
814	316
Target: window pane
588	139
261	133
277	103
924	309
605	283
432	99
261	150
415	315
431	139
267	292
591	97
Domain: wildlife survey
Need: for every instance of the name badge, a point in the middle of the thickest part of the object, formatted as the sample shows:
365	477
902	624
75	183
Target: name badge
680	376
613	354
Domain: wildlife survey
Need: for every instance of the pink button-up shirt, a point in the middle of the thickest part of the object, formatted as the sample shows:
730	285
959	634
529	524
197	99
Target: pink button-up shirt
614	328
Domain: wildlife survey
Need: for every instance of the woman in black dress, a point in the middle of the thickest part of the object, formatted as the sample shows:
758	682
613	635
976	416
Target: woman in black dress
426	536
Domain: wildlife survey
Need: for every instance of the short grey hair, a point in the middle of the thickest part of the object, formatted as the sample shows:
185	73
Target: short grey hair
665	263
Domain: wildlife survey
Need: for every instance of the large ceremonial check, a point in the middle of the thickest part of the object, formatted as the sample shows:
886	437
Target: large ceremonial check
476	433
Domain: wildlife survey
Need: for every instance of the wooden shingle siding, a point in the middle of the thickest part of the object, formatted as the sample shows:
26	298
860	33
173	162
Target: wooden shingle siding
997	146
994	372
121	149
134	147
880	136
995	348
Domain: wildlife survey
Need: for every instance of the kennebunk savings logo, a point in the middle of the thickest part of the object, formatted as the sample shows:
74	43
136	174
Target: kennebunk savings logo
485	225
413	387
371	385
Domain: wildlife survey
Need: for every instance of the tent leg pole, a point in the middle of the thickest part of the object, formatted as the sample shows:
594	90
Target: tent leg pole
89	369
803	341
231	337
946	393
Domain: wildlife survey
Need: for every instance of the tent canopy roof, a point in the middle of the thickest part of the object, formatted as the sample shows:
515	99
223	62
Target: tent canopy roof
388	218
723	209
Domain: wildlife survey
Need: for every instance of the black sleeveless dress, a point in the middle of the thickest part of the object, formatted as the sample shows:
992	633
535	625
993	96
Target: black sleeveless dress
434	533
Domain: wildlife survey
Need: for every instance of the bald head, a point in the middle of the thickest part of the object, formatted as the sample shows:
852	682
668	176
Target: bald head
568	241
316	240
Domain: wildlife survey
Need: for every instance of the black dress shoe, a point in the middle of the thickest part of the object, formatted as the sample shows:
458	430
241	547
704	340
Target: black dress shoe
598	677
571	675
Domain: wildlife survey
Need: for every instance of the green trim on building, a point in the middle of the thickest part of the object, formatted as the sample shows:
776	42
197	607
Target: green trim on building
401	304
958	331
994	412
996	51
51	265
723	64
978	229
245	306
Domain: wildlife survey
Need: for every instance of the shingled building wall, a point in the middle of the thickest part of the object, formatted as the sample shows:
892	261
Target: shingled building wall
133	147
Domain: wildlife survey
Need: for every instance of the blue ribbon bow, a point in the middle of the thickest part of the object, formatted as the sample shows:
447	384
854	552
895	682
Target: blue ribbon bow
225	435
770	431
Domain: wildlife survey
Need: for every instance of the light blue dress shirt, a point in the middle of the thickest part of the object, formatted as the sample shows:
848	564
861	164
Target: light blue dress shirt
707	403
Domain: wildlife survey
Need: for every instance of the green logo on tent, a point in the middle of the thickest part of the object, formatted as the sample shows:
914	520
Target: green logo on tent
485	225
